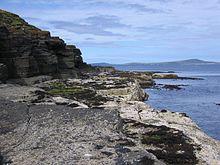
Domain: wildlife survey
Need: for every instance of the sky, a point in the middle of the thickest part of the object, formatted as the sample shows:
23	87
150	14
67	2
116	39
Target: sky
122	31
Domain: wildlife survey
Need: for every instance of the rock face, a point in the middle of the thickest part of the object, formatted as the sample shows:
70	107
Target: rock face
28	51
3	72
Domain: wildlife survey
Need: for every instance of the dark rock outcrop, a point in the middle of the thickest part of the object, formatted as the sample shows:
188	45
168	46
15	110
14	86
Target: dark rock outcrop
28	51
3	72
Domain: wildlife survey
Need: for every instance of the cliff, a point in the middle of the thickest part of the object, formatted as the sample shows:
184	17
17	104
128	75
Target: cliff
28	51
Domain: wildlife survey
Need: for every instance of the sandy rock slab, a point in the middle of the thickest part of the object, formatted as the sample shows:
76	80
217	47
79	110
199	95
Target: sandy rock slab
57	134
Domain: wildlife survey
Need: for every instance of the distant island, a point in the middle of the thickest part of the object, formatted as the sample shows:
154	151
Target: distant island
180	62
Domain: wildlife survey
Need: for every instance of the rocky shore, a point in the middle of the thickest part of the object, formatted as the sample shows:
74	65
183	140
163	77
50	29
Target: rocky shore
172	76
101	120
56	109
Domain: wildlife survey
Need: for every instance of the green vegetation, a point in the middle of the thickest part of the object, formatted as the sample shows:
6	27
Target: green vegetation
13	21
57	85
66	91
75	91
62	89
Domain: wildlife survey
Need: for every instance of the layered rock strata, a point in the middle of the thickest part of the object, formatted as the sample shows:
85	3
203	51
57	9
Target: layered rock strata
28	51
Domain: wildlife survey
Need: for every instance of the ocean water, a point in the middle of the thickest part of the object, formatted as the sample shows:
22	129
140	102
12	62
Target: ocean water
197	99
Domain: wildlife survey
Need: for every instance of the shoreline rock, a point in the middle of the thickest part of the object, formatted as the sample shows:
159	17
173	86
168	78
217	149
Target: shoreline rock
140	134
173	76
164	76
149	116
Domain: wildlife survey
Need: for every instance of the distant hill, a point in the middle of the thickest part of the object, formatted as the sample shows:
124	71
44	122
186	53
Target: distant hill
174	66
182	62
102	64
193	61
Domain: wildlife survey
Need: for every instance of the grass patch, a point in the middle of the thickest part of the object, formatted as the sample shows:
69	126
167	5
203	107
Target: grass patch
82	94
58	85
65	91
13	21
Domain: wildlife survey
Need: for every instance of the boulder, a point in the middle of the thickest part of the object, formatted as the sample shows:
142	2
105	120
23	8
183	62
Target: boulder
138	94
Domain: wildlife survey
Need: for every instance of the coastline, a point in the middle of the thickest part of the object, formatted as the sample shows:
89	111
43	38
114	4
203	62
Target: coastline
56	109
156	137
196	98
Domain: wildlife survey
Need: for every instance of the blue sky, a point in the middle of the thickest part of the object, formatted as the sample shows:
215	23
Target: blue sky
121	31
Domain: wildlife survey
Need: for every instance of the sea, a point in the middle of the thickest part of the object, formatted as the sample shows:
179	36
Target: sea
197	98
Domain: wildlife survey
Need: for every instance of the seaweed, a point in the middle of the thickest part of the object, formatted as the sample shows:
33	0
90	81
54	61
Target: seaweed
167	144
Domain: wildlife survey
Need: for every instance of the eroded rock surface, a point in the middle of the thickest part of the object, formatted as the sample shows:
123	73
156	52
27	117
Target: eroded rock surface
72	122
173	137
47	134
